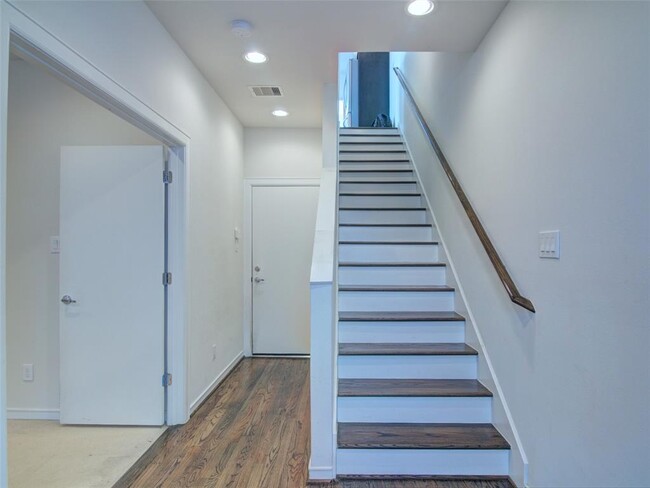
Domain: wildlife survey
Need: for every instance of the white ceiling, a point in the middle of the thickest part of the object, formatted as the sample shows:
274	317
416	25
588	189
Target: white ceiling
302	39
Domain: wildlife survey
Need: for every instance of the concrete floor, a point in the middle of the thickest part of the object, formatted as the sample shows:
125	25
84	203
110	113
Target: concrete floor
45	453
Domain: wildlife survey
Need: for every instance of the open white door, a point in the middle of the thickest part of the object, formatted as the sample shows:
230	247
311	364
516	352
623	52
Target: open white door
111	264
284	219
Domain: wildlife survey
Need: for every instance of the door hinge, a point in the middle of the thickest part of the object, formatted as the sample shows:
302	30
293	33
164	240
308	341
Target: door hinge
167	379
166	279
167	177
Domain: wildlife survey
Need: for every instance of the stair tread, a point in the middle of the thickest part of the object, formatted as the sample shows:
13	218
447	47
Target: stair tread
406	349
378	194
377	170
353	387
383	209
419	436
419	288
412	264
371	151
400	317
374	182
364	224
399	243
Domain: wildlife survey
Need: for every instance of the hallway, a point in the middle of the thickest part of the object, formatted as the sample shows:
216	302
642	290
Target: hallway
253	432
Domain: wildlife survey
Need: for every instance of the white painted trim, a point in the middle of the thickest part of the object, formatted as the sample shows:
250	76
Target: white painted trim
471	318
55	55
217	381
32	414
247	232
321	473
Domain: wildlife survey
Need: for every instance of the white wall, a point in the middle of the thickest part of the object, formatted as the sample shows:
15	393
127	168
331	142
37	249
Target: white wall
282	153
547	126
127	43
44	114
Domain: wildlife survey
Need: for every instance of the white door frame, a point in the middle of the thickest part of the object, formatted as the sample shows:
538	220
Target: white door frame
249	184
40	46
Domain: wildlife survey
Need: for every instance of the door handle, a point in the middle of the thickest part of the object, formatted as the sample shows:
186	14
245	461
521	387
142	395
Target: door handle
259	280
67	300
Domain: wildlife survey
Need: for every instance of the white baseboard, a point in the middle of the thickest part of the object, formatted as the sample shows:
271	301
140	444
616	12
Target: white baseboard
321	473
32	414
220	377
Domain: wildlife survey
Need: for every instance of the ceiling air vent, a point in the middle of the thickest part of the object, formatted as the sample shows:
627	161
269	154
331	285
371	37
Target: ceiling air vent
266	91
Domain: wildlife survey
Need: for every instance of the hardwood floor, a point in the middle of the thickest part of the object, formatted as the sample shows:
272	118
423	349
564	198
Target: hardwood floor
253	432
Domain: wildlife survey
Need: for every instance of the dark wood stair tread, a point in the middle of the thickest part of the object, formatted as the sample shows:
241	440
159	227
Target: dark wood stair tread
352	387
410	349
419	436
363	224
385	182
379	194
399	243
385	209
416	288
354	264
382	170
400	317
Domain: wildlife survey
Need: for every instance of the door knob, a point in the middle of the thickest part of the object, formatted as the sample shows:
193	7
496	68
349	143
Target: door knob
259	280
67	300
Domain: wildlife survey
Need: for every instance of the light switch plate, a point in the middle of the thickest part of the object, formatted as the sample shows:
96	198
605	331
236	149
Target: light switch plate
28	372
55	245
549	244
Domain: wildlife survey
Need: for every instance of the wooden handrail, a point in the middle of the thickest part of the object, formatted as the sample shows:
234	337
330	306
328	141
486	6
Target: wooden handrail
492	253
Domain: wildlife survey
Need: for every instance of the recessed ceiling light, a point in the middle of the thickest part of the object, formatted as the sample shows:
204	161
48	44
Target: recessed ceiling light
420	7
280	113
255	57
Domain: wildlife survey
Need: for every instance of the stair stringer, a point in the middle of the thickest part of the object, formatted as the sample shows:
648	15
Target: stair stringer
501	414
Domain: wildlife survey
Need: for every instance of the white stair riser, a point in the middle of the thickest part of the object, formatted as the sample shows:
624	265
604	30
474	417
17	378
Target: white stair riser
382	217
370	139
431	367
478	462
396	301
357	147
374	156
401	332
367	131
419	234
392	275
372	253
473	410
375	165
347	177
402	186
383	201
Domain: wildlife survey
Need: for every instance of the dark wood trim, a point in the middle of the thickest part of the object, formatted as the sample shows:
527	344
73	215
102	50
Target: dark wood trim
127	479
492	253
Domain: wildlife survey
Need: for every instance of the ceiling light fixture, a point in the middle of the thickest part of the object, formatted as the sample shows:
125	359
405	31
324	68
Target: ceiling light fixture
420	7
280	113
255	57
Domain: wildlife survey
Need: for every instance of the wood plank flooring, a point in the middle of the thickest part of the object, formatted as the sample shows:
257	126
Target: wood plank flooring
253	432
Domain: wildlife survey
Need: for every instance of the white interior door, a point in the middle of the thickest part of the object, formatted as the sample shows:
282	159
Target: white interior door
111	263
284	219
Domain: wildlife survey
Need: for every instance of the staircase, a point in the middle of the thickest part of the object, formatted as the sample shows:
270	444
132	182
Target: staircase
408	400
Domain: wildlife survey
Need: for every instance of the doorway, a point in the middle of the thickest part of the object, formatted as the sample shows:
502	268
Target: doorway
282	219
85	223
